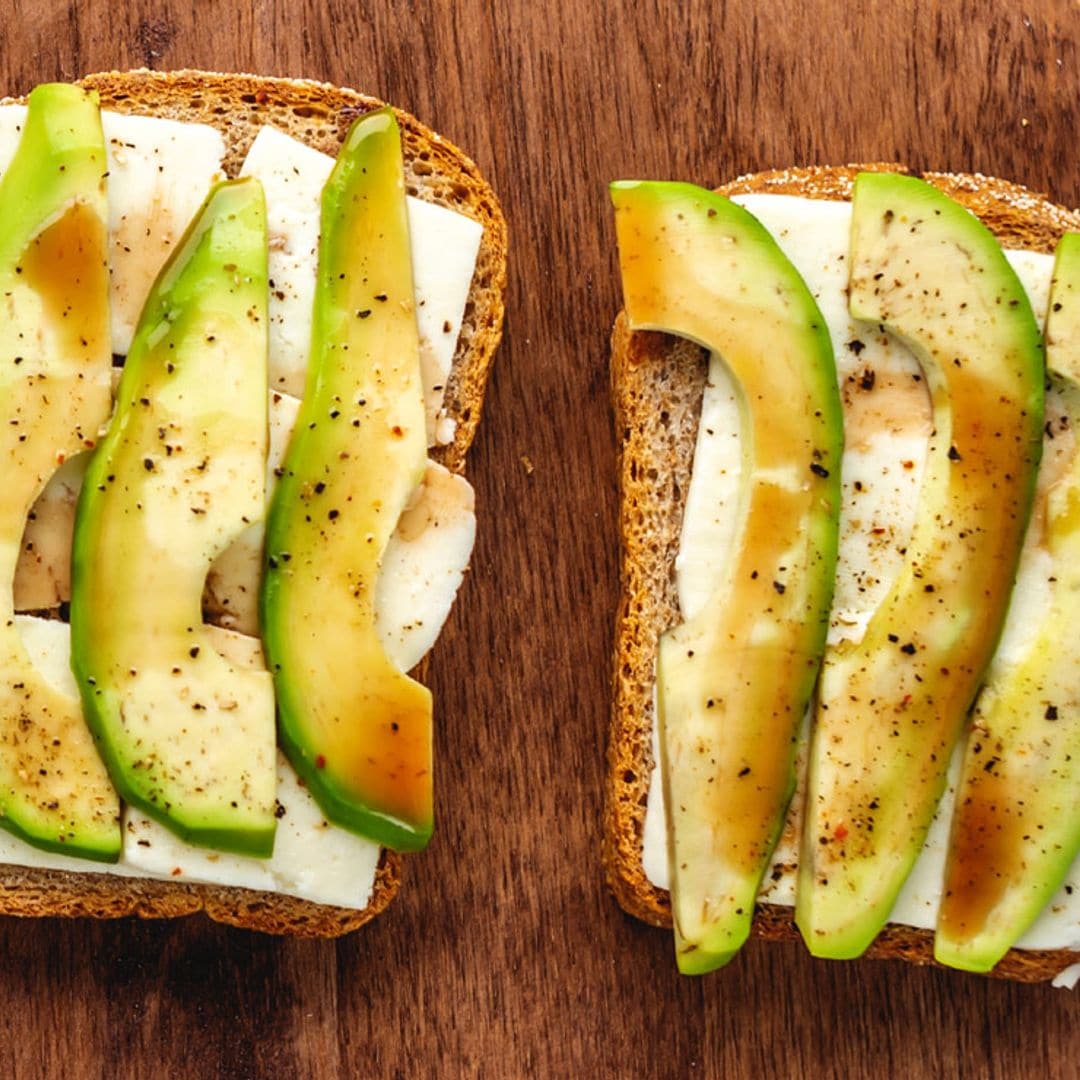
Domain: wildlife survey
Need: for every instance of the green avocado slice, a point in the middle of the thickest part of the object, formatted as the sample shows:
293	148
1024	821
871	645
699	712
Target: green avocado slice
1016	826
734	682
188	737
892	706
358	730
55	363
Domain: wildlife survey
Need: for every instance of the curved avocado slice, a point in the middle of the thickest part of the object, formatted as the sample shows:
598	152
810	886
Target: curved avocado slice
55	363
735	680
1016	826
188	736
892	706
356	728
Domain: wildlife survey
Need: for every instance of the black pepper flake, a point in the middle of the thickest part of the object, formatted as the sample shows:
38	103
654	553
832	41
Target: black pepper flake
193	651
893	638
954	454
333	514
779	586
818	470
364	313
320	487
381	297
866	380
1051	712
909	648
856	346
148	464
745	770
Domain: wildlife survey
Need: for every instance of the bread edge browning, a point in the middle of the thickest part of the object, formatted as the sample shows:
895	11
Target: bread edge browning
657	383
318	114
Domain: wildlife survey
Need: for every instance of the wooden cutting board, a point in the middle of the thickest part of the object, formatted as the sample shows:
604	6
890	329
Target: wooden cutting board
504	956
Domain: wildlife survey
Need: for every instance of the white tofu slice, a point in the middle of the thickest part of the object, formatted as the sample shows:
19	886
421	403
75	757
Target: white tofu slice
444	249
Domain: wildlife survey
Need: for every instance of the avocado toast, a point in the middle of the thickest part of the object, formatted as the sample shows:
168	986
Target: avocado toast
658	383
435	174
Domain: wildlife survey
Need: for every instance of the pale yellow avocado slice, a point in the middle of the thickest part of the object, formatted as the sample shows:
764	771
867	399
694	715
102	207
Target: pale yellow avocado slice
355	727
55	361
1016	826
892	706
188	736
734	681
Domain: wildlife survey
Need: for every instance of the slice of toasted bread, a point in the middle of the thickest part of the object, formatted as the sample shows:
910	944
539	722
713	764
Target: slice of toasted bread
317	114
657	385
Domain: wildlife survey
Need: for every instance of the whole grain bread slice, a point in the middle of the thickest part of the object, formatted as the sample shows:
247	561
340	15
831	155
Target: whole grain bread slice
657	384
435	170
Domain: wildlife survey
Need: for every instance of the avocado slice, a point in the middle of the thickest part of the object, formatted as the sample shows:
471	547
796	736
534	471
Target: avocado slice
892	706
1016	826
55	362
188	736
357	729
735	680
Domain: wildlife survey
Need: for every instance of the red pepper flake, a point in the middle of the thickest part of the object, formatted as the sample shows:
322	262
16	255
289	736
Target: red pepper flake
176	871
320	762
841	832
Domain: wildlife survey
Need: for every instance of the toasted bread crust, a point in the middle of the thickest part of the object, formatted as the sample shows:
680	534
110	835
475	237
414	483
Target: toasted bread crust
657	385
318	114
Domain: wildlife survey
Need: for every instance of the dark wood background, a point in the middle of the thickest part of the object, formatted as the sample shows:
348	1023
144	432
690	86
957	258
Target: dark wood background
504	956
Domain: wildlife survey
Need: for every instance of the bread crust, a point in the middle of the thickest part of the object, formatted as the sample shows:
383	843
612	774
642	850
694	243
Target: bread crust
657	382
318	114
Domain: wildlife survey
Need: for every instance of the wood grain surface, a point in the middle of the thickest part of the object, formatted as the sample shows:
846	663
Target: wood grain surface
504	956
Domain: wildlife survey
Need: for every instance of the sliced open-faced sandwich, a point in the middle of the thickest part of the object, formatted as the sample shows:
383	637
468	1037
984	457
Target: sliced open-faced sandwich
846	694
248	324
